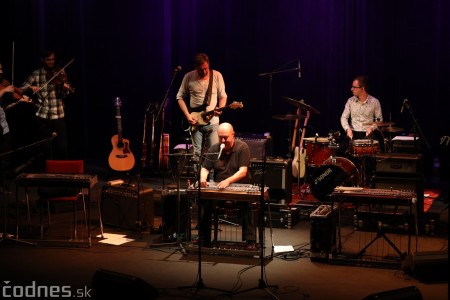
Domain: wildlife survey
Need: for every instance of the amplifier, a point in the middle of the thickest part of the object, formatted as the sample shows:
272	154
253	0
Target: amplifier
282	218
123	207
259	144
277	177
322	233
399	163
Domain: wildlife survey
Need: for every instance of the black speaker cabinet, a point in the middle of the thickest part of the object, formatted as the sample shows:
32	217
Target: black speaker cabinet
322	233
415	184
113	285
430	266
397	163
122	206
259	144
406	293
277	177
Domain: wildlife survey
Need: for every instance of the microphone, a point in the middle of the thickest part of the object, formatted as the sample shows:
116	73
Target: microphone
220	151
54	134
403	105
298	69
177	69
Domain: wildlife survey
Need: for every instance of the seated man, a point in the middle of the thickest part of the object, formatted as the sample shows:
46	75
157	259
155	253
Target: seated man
230	166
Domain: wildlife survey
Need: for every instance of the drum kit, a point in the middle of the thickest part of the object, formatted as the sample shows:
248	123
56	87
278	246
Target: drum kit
330	170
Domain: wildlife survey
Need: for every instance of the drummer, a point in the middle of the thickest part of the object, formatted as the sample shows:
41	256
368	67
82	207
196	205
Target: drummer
360	110
361	113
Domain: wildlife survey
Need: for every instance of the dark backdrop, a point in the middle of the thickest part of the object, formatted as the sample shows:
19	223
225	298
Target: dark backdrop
130	49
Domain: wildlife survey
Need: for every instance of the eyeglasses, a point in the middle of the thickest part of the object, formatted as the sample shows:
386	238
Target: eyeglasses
356	87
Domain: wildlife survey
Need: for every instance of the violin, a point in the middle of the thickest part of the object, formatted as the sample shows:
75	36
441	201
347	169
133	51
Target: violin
17	93
58	77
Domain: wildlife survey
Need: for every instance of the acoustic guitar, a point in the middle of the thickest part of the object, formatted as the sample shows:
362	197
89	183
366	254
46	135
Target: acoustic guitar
120	158
203	117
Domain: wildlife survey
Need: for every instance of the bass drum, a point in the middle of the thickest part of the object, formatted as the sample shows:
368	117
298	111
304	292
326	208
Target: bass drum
334	172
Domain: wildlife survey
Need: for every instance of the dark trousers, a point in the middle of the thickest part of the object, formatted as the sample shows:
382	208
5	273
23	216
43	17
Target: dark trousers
245	213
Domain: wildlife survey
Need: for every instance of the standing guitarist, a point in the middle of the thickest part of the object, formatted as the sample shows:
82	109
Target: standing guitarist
204	88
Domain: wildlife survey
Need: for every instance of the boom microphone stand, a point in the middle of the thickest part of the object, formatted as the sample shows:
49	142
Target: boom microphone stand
6	237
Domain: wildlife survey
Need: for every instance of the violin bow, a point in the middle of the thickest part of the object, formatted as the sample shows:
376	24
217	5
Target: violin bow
12	65
54	76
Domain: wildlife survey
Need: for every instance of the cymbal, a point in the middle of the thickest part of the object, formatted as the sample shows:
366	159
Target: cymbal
301	104
380	124
288	117
392	129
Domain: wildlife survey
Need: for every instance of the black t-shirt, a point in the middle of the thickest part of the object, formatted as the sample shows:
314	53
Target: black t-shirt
228	164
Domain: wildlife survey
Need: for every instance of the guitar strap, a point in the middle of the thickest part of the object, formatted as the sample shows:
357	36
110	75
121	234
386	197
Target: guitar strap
207	100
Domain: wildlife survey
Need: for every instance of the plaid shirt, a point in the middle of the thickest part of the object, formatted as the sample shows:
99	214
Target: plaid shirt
50	98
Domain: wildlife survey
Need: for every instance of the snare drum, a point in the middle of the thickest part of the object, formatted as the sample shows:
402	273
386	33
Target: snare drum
317	151
335	171
365	147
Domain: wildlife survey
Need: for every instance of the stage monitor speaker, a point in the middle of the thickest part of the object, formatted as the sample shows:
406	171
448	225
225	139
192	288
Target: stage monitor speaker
406	293
428	267
277	177
113	285
122	206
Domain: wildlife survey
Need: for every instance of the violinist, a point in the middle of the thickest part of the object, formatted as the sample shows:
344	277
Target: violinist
11	95
49	85
5	135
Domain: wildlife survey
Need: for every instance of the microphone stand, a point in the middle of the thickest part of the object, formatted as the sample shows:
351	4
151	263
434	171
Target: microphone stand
415	128
277	71
161	113
178	241
6	236
200	285
262	284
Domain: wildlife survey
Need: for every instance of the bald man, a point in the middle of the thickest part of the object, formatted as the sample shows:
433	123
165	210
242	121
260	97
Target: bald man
231	166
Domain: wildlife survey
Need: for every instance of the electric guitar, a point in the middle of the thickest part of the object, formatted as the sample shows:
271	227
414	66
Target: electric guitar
120	158
204	117
298	164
